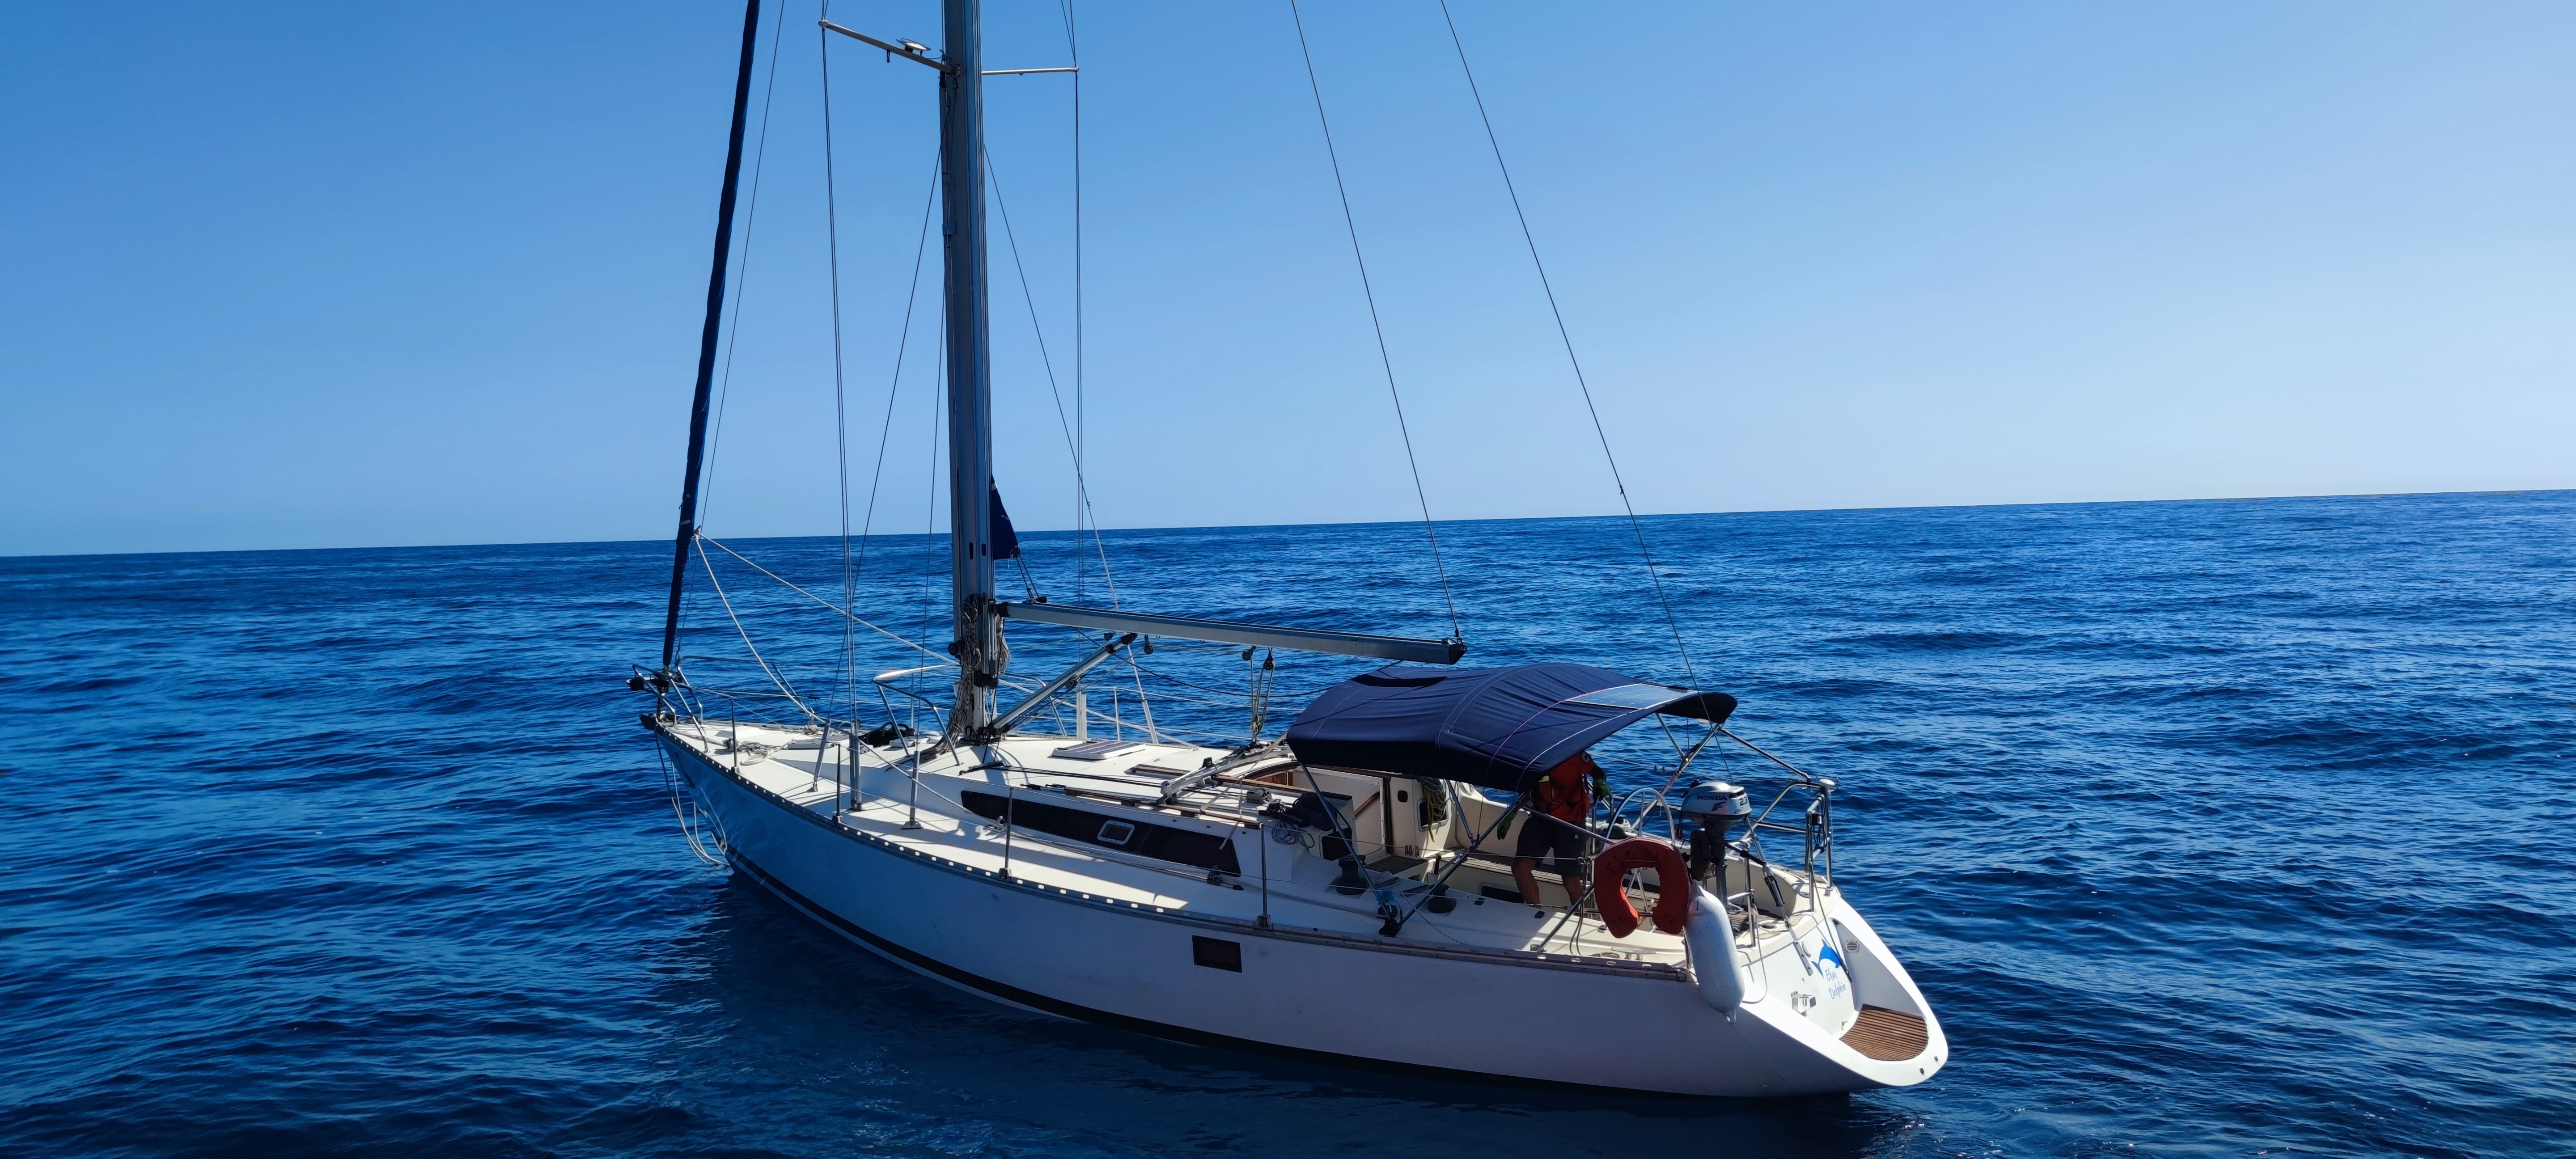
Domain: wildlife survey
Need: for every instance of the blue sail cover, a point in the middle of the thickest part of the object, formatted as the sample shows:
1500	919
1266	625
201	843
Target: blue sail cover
1495	728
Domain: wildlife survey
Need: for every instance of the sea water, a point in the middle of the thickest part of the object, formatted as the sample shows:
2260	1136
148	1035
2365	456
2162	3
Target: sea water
2217	828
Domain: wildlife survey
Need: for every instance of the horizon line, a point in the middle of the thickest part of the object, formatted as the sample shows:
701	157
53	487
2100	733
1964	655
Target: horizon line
1346	523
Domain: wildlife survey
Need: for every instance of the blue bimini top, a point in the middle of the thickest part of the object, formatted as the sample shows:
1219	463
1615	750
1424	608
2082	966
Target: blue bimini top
1495	728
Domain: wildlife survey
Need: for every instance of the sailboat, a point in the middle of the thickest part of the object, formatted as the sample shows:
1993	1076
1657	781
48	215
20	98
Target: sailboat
1345	892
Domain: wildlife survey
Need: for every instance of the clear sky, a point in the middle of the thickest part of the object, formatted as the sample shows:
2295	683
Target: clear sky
348	275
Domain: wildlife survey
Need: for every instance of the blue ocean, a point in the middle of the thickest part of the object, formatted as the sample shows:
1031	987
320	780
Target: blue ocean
2210	828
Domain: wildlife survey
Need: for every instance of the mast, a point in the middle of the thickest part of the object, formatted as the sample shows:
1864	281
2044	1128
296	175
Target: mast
707	340
977	638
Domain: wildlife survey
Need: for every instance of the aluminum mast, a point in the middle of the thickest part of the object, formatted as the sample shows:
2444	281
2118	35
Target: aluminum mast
977	641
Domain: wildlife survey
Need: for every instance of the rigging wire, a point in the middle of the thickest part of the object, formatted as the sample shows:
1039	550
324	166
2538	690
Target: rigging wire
1080	486
750	217
775	676
1566	337
1384	359
851	569
903	342
854	617
840	406
742	270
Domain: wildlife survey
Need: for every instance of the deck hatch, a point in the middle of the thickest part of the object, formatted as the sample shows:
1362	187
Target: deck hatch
1094	750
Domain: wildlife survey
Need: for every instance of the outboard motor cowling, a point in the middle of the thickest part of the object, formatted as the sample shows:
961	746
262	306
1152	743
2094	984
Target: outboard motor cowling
1712	807
1709	800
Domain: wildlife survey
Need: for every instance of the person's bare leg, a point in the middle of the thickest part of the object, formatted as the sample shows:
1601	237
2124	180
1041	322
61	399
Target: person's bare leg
1574	880
1525	872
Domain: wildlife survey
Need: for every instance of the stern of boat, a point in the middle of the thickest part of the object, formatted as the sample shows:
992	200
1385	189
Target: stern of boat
1843	1000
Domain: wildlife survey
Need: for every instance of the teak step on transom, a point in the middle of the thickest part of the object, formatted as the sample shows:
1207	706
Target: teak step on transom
1887	1035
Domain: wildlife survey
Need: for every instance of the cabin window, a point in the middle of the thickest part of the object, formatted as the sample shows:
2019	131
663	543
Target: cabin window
1161	842
1217	953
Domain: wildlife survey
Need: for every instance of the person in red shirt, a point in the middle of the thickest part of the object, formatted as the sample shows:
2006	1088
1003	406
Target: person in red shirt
1559	805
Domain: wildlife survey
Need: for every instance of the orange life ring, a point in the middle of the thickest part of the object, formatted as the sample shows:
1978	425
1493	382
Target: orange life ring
1672	880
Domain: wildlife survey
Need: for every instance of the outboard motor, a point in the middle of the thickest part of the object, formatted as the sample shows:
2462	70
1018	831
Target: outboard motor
1712	807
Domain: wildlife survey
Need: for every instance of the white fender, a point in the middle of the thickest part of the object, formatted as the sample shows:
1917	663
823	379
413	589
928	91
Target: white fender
1712	947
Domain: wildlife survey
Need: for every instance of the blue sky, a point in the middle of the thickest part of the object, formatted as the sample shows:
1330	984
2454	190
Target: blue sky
342	275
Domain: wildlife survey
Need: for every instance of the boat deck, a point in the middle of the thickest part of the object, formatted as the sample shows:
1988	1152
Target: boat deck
871	794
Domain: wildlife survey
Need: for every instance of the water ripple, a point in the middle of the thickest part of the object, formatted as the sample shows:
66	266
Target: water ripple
2212	829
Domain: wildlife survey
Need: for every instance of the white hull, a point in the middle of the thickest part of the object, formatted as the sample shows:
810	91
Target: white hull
936	900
